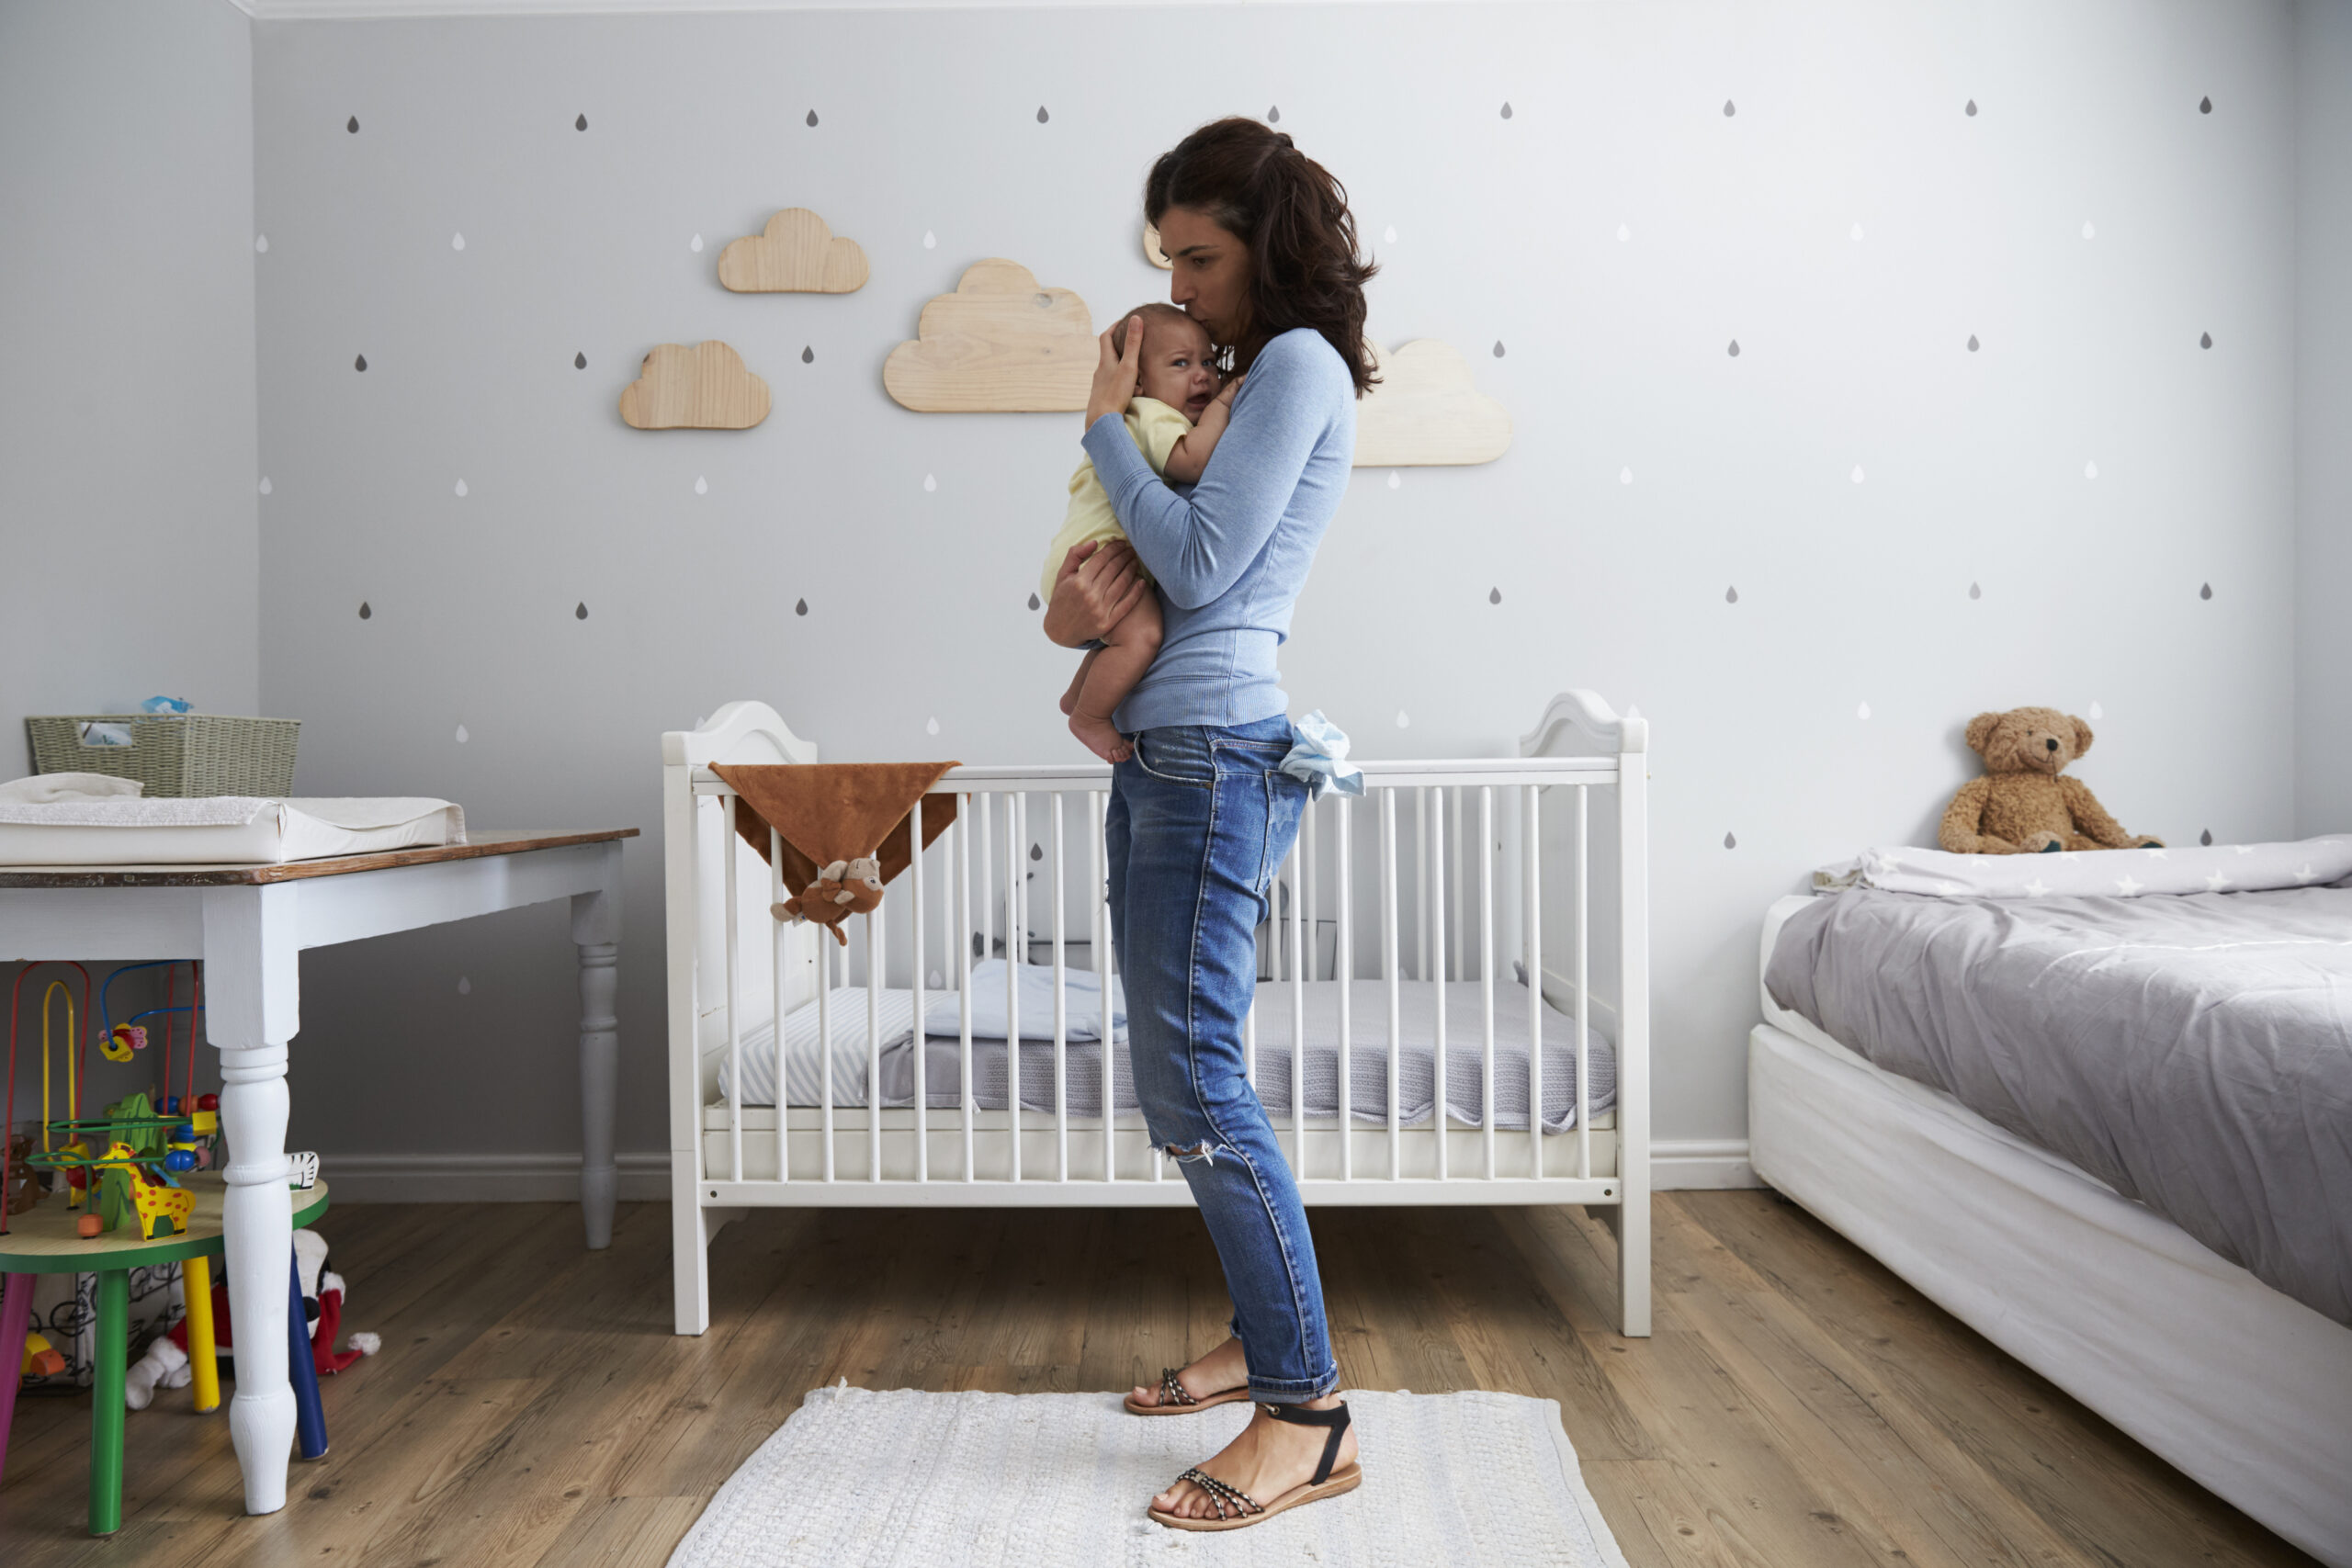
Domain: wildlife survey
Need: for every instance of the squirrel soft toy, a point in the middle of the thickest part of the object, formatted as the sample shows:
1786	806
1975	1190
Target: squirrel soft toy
2020	805
845	888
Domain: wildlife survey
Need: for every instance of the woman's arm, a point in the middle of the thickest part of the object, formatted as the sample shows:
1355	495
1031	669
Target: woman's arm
1197	548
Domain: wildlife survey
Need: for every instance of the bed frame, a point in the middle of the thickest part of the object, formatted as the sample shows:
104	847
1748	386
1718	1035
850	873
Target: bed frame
1561	894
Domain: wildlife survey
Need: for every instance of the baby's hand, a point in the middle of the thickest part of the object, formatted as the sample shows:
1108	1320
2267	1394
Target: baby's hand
1225	394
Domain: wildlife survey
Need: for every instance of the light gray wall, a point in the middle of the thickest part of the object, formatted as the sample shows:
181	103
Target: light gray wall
127	417
1853	354
128	531
2324	415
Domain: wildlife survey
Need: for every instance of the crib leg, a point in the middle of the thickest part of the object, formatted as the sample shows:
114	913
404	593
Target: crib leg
1633	1262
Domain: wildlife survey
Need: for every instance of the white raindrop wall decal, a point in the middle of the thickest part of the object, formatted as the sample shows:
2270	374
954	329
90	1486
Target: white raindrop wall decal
929	482
1624	232
694	245
1855	233
2096	711
930	241
1390	234
2090	470
465	987
2090	229
261	244
702	486
931	727
456	242
1858	473
1395	481
461	487
265	484
1404	719
462	736
1624	476
1862	711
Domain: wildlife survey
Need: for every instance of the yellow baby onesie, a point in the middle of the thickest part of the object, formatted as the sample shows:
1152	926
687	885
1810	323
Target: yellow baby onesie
1156	428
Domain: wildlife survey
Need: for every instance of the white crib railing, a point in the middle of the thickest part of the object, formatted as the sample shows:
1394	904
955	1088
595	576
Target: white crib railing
1023	864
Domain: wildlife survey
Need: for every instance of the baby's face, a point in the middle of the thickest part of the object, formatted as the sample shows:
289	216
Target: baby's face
1175	367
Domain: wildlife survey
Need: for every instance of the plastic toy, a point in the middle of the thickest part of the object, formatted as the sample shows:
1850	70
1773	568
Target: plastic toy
41	1358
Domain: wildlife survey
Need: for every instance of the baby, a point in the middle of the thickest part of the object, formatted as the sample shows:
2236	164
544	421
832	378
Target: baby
1177	415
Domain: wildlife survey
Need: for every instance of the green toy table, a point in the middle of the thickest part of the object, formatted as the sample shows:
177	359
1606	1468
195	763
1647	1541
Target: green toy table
42	1241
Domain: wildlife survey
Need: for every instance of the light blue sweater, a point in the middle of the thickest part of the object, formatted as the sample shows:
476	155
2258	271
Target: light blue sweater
1231	555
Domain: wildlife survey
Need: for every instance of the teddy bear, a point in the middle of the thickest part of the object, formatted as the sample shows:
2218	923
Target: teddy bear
845	888
2020	805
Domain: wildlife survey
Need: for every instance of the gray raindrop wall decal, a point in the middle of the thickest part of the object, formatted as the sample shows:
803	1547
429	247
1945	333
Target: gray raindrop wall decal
360	363
1735	348
1971	110
1034	603
1973	345
1036	852
2206	837
364	611
2205	106
1506	110
1975	591
1274	115
1494	596
579	124
809	356
579	611
1731	596
354	125
580	362
801	608
1729	109
2204	340
1499	348
1730	842
2206	591
1042	115
812	119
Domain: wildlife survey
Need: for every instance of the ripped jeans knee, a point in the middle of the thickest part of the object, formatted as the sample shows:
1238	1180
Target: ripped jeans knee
1204	1150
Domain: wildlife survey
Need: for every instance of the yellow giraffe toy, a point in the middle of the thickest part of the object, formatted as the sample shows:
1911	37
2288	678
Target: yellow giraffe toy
162	1208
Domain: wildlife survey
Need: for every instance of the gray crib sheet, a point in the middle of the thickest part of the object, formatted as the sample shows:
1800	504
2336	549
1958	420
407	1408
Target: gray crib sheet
2194	1051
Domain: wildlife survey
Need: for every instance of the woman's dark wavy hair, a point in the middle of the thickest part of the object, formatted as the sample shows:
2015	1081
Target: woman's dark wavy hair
1293	215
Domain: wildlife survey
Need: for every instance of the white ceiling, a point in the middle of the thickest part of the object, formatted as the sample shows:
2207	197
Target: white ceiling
276	10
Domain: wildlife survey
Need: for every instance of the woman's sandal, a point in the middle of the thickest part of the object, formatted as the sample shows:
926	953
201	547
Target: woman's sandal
1235	1509
1174	1401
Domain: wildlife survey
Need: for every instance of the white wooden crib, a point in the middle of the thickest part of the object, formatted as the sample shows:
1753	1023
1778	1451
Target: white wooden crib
1560	893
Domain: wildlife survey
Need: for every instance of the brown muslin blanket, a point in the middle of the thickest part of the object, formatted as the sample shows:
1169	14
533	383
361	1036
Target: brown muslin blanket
828	811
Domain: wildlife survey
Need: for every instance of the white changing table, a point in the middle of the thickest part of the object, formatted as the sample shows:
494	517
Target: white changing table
249	924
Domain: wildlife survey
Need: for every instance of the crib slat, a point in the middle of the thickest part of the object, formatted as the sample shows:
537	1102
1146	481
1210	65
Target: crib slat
1389	963
1099	899
1346	977
964	815
1421	878
1016	953
1487	965
914	870
1061	999
1462	913
734	1011
777	942
874	971
1531	923
1439	1110
1584	992
1298	1001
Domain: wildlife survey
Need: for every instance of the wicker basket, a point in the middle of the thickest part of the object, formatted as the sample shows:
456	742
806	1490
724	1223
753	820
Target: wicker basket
193	754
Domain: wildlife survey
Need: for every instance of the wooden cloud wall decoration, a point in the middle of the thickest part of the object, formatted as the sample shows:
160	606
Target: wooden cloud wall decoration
999	342
1426	411
701	386
796	253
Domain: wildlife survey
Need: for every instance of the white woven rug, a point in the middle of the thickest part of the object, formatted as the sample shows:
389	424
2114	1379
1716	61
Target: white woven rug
904	1479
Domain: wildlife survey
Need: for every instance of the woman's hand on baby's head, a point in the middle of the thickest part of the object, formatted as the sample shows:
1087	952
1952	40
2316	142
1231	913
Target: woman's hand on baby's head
1116	371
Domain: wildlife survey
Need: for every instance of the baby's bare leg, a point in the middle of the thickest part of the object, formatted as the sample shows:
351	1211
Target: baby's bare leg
1110	672
1070	698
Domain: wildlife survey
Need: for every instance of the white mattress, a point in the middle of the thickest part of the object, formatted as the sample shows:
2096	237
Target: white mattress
1082	1060
2241	1387
222	829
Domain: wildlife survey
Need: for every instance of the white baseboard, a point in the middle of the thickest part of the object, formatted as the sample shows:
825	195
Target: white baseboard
1676	1165
1686	1164
484	1178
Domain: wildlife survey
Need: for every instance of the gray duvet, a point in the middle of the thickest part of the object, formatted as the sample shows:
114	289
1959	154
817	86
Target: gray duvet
2194	1051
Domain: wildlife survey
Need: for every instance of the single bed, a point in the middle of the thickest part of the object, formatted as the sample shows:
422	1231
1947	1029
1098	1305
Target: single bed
2067	1121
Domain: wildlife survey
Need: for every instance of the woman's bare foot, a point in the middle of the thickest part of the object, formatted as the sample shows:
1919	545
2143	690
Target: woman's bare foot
1101	738
1220	1370
1268	1459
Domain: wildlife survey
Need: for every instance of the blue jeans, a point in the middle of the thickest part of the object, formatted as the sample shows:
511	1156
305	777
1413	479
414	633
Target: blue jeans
1199	822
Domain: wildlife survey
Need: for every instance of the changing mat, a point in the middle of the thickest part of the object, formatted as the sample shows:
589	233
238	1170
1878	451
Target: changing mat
222	830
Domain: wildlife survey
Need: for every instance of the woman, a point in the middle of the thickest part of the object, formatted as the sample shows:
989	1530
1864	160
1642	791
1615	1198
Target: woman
1263	254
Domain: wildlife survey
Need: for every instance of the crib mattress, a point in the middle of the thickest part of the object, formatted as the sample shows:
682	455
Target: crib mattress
1082	1060
222	829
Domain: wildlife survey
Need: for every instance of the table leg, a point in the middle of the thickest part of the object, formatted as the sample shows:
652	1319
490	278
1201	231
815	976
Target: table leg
106	1402
595	929
250	978
203	1360
309	1417
16	1317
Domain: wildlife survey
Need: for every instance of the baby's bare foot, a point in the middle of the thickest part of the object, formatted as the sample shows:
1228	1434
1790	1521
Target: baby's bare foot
1101	738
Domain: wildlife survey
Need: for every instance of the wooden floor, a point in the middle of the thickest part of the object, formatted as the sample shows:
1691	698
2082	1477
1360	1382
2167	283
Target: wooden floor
1799	1407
